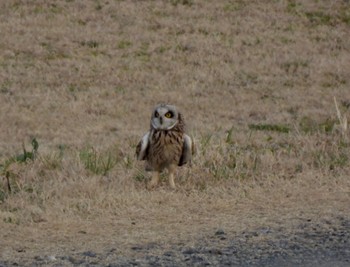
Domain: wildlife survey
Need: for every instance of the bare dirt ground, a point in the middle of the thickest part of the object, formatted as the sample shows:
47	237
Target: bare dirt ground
263	87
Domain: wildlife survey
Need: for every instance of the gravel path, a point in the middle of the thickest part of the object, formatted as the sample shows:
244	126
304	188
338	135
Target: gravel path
324	243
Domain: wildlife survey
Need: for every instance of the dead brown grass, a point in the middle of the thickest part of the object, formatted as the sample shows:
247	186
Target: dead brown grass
82	77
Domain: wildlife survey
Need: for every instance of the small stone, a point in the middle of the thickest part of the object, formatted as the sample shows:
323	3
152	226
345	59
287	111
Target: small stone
190	251
168	254
74	260
89	254
136	248
38	258
220	232
215	251
51	258
265	231
112	250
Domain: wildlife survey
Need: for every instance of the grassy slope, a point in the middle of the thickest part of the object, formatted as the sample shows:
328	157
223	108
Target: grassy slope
254	79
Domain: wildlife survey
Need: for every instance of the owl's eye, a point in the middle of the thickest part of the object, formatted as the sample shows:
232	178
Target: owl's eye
156	114
168	115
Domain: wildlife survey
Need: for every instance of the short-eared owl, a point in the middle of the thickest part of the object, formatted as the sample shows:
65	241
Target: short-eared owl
166	145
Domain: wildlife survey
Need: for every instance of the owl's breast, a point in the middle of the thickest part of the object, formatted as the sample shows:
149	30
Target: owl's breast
165	149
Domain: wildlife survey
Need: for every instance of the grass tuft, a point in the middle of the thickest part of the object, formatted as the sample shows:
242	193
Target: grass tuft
270	127
182	2
90	44
310	125
9	172
343	121
98	162
319	18
123	44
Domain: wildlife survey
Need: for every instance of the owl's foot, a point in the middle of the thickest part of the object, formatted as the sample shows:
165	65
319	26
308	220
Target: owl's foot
154	181
171	181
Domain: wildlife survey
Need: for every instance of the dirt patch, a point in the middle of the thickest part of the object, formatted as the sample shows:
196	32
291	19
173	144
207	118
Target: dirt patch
308	243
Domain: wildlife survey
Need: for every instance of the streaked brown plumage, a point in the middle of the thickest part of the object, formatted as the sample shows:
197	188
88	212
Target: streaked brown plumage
166	145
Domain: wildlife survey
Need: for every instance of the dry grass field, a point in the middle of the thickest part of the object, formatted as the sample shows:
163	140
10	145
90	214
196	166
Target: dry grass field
255	80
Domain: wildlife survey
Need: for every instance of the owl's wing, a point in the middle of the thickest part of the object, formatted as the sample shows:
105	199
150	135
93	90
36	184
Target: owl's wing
142	147
188	150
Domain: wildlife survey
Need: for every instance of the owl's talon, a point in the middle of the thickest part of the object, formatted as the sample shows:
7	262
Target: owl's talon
172	185
171	180
151	185
154	182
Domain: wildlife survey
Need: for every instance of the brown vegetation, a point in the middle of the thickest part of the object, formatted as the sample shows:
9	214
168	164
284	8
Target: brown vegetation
255	80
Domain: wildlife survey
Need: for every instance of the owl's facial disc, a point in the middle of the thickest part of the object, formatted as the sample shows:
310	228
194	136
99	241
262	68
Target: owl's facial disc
164	118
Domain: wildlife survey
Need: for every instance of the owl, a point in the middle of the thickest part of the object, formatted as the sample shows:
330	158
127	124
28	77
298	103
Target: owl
165	145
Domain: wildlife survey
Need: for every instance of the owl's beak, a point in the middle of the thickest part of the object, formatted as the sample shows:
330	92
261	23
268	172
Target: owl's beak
161	120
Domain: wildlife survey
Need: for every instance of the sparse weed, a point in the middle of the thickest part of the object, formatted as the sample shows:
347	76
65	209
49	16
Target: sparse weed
270	127
292	7
204	143
345	16
229	137
343	121
182	2
219	171
319	18
294	66
98	162
120	90
91	44
98	6
52	161
3	191
245	78
309	125
5	87
51	8
162	49
128	161
234	6
5	168
123	44
11	220
140	176
330	157
332	79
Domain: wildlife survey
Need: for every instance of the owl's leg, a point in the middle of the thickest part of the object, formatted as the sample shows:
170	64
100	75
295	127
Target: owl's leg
155	179
171	170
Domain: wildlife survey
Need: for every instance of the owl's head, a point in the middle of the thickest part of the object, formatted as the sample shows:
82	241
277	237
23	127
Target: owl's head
164	117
